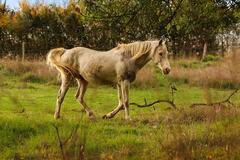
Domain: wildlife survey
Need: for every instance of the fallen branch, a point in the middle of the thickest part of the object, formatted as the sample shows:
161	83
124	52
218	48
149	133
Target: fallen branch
171	102
155	102
220	103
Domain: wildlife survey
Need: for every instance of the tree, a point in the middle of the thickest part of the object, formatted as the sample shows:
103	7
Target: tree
102	24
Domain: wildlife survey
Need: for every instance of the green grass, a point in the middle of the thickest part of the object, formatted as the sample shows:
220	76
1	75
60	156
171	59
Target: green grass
27	125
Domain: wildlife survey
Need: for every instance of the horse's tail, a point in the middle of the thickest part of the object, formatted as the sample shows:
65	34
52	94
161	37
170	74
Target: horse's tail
53	60
53	56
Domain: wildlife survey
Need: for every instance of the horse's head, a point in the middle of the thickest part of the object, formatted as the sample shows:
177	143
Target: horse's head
160	57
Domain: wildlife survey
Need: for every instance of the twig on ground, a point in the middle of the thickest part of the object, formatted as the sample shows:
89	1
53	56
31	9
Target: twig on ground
155	102
171	102
220	103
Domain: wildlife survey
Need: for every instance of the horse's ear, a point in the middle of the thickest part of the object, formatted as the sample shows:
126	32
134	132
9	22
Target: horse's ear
160	42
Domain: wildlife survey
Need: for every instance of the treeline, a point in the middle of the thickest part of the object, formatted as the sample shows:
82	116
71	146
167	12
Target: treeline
101	24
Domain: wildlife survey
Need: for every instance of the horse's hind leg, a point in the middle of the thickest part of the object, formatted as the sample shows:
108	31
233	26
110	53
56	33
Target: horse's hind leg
66	80
118	108
82	87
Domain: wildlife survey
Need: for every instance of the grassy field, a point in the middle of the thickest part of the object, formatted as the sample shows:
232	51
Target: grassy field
29	131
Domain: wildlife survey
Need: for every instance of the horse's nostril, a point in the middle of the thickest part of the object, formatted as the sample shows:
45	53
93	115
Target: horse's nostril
167	70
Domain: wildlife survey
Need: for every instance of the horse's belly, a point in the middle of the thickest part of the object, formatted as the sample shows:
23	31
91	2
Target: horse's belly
104	79
100	75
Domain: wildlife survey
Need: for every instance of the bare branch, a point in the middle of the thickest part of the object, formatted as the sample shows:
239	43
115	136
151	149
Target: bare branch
171	17
73	132
221	103
155	102
60	142
230	96
173	88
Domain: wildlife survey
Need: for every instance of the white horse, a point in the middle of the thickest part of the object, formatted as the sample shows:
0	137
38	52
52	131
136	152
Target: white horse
116	66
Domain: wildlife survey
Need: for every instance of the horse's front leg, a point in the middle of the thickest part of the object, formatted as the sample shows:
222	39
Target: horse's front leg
118	108
125	97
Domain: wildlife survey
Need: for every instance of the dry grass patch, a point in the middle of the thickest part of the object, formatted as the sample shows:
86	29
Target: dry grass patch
29	71
225	74
195	133
146	77
212	143
202	114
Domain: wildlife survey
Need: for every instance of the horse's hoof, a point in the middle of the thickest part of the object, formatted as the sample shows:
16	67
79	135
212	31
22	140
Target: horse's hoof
56	116
106	117
128	119
92	117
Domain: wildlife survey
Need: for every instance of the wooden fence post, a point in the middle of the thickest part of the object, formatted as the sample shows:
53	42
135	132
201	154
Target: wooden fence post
23	51
204	51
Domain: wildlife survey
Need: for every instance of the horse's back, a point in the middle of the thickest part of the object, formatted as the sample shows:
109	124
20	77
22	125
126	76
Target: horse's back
93	66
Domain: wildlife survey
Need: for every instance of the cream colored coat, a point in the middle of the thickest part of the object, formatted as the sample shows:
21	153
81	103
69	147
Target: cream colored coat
117	66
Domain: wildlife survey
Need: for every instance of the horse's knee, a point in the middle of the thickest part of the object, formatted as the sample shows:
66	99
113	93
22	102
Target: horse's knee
80	100
125	103
77	94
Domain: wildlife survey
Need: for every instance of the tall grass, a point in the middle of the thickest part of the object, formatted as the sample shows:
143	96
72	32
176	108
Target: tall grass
196	133
225	74
146	77
29	70
212	143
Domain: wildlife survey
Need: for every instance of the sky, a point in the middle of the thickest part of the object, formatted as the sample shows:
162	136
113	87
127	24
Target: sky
14	4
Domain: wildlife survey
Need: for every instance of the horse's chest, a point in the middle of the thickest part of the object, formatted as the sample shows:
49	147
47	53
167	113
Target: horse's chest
126	71
128	75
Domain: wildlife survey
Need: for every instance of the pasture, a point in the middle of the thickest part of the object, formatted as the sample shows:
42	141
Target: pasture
28	130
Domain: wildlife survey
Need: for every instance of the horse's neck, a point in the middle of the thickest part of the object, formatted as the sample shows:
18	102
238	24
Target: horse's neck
142	60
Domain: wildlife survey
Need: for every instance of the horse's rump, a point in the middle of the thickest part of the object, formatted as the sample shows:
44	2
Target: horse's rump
53	59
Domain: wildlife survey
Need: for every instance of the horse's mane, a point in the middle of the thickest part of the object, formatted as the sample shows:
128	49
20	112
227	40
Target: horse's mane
135	49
